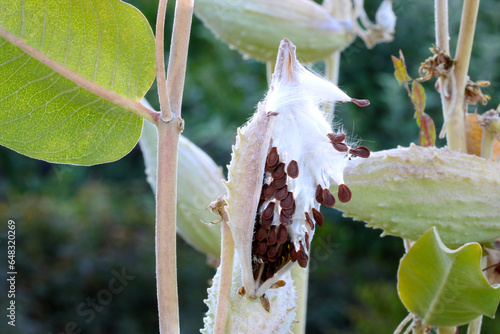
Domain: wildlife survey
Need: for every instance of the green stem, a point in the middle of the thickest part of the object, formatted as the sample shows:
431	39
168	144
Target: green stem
332	65
226	274
166	194
447	330
456	123
300	278
475	326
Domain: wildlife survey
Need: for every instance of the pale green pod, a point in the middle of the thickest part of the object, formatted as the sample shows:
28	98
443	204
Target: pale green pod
246	315
406	191
199	182
256	27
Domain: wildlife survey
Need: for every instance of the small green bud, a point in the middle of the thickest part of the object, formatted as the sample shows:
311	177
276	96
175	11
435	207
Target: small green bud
256	27
406	191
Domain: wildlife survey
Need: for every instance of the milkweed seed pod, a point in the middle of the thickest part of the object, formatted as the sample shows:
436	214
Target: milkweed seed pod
199	182
247	315
255	27
283	163
406	191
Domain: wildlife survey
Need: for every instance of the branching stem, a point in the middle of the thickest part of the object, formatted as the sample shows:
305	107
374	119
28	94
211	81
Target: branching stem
170	127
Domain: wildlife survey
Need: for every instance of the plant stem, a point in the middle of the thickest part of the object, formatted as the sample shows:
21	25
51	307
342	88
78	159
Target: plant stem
160	60
178	53
447	330
166	194
332	65
226	274
170	126
441	21
475	326
300	278
443	44
455	125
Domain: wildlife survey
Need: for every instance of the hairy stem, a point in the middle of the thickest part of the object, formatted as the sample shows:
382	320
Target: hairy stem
166	194
226	274
455	125
475	326
178	53
443	44
160	60
300	279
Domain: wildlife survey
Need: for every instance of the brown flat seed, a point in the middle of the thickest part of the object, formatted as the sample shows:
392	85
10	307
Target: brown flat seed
309	221
336	137
282	234
279	183
318	217
287	202
241	291
268	213
280	251
278	171
319	194
344	193
272	238
302	259
307	240
360	151
261	233
272	252
289	212
267	190
278	284
329	199
265	303
293	169
293	253
272	158
341	147
284	220
360	103
267	222
280	194
262	248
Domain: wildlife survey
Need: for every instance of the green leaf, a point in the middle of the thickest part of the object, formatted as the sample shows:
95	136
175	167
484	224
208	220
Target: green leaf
445	287
400	68
61	62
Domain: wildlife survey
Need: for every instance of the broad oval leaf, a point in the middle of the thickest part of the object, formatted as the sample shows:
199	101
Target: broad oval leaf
47	49
406	191
445	287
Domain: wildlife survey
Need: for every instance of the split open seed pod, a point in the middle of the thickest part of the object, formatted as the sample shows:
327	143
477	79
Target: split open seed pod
406	191
255	27
199	182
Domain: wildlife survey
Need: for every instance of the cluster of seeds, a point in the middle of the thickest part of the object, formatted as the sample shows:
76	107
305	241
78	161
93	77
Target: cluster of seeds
272	245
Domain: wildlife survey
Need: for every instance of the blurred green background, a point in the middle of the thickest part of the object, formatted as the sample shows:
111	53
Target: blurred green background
76	227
